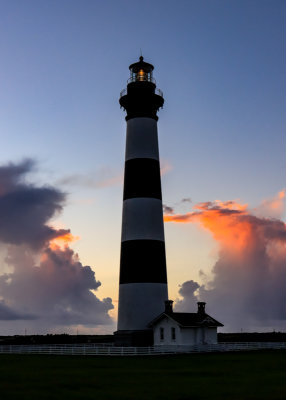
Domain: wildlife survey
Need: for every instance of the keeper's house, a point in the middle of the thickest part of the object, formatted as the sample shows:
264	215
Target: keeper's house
175	328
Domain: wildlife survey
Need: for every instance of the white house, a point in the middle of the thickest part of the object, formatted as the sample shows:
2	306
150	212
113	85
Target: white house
174	328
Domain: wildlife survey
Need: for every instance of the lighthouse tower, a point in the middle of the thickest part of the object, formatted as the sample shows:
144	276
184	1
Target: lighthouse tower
143	277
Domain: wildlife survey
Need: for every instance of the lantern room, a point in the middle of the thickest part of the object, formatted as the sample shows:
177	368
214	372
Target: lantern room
141	71
141	98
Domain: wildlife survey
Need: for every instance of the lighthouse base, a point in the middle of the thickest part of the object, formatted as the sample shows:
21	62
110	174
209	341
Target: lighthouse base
134	338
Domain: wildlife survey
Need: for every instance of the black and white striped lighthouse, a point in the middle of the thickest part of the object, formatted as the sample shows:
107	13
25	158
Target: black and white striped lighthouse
143	276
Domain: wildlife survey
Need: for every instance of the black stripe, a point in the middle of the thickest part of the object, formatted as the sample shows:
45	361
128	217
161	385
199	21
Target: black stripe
142	178
143	261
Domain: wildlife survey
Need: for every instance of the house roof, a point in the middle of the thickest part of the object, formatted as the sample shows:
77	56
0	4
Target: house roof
187	320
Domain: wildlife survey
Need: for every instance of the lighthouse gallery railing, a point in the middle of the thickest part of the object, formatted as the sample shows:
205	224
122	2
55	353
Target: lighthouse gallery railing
157	91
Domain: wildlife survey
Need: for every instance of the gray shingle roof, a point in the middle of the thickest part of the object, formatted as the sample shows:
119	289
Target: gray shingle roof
188	319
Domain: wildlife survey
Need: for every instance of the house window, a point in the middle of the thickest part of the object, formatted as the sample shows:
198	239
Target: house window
173	333
161	334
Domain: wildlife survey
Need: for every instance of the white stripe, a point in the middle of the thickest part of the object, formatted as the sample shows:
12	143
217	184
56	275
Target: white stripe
142	219
141	139
140	303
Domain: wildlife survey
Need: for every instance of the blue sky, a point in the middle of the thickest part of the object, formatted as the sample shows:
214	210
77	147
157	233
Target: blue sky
220	64
221	67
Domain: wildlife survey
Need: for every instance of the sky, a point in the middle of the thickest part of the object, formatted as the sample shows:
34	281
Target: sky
221	67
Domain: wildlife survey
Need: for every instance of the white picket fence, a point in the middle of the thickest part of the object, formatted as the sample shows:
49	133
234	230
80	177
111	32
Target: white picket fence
107	350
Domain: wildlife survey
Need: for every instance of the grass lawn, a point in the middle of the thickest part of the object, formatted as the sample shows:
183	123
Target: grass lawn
225	376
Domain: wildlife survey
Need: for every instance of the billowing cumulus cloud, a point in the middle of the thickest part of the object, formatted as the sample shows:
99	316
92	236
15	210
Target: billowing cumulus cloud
8	314
59	287
26	209
247	289
188	299
46	283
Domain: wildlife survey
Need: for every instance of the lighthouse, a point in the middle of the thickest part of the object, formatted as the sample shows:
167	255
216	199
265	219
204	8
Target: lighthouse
143	277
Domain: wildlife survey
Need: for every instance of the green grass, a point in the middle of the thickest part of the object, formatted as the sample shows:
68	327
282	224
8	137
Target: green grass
233	376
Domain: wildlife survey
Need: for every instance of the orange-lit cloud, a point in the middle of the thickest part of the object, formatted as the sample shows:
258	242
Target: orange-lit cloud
247	288
222	219
272	207
63	241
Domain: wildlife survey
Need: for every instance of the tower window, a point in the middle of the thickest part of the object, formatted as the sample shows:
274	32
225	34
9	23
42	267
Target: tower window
173	333
161	334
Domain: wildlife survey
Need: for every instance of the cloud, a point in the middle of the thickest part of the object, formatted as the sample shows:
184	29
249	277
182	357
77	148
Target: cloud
249	278
8	314
188	299
59	288
271	207
47	282
171	209
103	178
168	209
12	175
26	209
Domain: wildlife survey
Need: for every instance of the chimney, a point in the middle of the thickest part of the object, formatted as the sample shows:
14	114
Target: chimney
169	306
201	307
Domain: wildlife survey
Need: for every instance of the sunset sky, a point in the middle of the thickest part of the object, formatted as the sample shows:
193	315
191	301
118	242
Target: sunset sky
222	67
